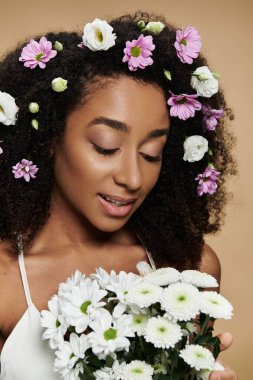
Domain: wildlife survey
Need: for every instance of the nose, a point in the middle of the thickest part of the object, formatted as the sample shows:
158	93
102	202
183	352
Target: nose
129	172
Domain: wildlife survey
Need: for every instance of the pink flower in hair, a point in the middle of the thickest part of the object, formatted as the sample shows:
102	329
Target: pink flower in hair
37	53
25	169
138	52
211	117
183	106
207	181
188	44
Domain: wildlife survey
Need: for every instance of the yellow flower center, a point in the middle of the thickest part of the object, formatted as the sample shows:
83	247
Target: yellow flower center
99	35
136	51
39	56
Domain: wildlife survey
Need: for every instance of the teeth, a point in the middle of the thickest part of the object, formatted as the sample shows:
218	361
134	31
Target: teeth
115	202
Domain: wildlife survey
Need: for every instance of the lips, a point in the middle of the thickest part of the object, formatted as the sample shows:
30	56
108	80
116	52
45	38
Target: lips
115	207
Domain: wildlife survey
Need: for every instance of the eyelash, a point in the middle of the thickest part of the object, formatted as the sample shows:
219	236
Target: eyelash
107	152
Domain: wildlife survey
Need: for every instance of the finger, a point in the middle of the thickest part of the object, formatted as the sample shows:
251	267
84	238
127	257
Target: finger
226	339
227	374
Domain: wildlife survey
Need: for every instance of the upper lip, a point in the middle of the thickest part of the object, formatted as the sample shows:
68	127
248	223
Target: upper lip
120	199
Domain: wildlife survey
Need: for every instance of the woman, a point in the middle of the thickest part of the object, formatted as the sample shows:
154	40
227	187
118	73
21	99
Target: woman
97	168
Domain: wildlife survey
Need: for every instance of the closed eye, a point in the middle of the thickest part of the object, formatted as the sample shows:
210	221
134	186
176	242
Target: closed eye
108	152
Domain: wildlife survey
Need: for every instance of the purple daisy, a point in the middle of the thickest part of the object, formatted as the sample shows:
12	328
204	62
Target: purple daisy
37	53
183	106
207	181
138	52
188	44
211	117
25	169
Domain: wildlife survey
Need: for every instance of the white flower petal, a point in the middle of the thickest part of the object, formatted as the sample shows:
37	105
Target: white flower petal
215	305
197	357
163	276
162	332
98	35
137	369
8	109
195	148
199	279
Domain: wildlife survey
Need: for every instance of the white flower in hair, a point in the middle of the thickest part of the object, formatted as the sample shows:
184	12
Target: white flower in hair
154	27
197	357
137	369
199	279
215	305
205	82
162	332
8	109
181	301
195	148
98	35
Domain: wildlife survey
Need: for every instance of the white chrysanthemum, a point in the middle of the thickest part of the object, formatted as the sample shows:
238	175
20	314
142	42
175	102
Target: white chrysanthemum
137	369
162	332
199	279
54	322
103	278
181	301
80	305
139	323
204	82
74	280
107	373
8	109
195	148
163	276
215	305
144	294
109	334
98	35
120	285
69	354
197	357
204	373
144	268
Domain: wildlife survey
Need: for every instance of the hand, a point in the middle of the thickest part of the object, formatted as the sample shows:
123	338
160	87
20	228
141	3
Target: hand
226	340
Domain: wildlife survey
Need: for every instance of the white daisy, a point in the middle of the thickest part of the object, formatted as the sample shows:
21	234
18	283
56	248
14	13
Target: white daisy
80	305
103	278
197	357
163	276
54	322
162	332
144	268
67	286
139	323
199	279
66	362
120	285
107	373
181	301
215	305
137	369
144	294
205	82
109	334
204	373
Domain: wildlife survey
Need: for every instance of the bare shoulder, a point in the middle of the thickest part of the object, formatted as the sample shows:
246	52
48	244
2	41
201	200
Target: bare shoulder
210	263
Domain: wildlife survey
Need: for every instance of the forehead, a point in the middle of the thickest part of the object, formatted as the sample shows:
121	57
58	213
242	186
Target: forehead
127	100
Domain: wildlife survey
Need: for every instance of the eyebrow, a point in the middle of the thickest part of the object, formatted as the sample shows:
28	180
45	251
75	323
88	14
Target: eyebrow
123	127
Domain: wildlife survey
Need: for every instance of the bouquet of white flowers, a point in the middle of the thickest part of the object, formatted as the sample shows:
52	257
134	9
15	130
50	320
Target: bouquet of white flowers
129	327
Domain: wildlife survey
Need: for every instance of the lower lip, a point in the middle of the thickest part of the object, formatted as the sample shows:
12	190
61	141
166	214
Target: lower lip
113	209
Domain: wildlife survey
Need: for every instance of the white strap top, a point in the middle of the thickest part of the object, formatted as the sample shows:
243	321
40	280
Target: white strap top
24	355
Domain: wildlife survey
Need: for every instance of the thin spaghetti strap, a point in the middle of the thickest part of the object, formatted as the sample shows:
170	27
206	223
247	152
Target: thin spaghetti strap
23	271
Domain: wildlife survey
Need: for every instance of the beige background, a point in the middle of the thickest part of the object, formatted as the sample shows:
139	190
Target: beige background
226	30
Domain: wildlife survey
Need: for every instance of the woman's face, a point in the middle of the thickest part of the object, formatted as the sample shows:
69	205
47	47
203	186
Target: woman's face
110	156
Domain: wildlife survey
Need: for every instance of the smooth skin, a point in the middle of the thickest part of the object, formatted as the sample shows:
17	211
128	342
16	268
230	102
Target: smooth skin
123	117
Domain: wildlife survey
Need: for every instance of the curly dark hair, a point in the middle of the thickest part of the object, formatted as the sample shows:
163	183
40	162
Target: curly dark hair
173	219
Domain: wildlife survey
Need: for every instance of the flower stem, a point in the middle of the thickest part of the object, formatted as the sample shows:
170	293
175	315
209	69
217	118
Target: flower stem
88	371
